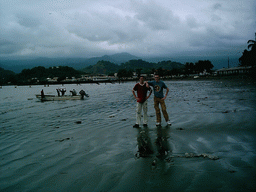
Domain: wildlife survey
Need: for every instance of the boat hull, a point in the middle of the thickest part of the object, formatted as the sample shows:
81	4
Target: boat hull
59	98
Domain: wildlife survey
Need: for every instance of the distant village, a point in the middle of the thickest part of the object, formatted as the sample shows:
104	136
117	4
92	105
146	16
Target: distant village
115	77
107	78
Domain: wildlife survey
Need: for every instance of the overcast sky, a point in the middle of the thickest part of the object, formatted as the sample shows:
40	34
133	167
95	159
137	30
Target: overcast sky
88	28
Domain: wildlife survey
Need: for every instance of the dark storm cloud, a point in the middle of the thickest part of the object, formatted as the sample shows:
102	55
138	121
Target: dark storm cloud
142	27
154	16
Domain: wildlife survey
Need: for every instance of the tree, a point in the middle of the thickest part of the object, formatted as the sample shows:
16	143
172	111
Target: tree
200	66
138	71
249	57
61	78
123	73
160	71
252	44
175	71
189	68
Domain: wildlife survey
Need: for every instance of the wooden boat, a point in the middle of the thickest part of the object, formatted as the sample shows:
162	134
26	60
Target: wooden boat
59	98
74	96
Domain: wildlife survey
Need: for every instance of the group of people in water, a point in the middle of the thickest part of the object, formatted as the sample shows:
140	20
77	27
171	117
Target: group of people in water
61	92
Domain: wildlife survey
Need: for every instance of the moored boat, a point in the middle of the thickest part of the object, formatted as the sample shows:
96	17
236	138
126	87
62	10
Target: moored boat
43	97
58	98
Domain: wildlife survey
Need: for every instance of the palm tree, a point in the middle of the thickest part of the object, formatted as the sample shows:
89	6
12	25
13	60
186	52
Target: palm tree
252	44
249	56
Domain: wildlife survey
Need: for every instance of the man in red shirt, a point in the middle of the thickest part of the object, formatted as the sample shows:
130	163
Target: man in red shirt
142	103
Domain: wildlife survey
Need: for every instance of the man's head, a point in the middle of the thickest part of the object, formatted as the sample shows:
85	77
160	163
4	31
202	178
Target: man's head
157	77
141	78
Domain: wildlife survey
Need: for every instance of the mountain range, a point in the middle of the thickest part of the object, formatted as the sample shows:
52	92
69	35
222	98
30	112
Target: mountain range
17	65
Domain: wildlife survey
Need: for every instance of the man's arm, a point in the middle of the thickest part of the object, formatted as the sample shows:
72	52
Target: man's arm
147	85
149	94
167	91
133	92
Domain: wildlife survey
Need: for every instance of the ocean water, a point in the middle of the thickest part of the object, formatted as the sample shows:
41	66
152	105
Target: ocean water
90	145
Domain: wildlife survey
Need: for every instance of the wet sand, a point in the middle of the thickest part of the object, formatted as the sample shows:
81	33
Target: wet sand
211	145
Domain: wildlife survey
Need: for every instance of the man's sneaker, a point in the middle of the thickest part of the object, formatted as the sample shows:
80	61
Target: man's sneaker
145	125
169	123
158	124
136	126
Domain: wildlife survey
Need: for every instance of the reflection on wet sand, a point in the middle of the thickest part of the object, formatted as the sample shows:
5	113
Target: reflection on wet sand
163	147
145	146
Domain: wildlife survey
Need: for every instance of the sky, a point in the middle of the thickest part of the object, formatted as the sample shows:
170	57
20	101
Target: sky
92	28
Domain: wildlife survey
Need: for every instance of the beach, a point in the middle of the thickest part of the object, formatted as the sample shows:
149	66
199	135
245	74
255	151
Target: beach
91	145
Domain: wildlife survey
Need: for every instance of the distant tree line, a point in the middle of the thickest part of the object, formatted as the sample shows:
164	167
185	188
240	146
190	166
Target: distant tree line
32	76
164	68
125	70
139	66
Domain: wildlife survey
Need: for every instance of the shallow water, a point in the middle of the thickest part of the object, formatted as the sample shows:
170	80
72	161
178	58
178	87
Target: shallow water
43	146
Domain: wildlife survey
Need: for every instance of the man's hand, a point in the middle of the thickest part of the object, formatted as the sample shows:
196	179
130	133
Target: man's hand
167	91
147	85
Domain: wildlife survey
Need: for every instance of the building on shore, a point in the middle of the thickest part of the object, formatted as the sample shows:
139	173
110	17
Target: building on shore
234	71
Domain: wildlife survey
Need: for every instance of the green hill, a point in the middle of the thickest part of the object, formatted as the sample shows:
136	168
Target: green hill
106	67
5	76
101	67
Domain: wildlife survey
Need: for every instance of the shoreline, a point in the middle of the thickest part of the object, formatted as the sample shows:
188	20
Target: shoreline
201	78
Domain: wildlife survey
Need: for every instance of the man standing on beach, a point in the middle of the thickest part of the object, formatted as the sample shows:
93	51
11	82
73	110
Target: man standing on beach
159	98
142	102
